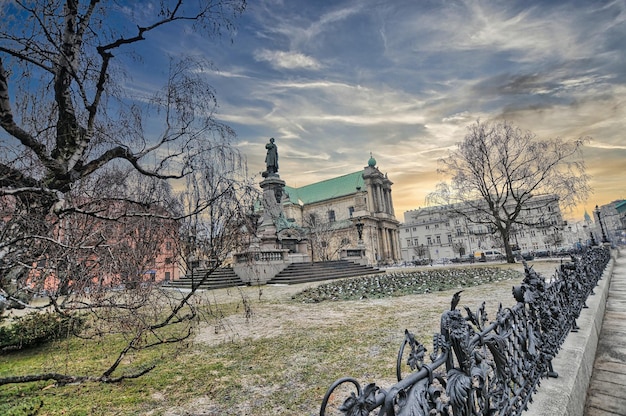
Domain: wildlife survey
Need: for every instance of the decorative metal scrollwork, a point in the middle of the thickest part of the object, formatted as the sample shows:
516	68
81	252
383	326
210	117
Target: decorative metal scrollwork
481	367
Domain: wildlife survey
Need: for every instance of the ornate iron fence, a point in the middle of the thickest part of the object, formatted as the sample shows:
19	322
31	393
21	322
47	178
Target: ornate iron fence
480	367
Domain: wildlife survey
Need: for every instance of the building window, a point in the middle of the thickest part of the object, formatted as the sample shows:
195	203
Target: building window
408	242
414	228
415	242
350	211
429	241
459	232
450	238
167	275
168	245
428	227
345	241
331	216
438	239
436	225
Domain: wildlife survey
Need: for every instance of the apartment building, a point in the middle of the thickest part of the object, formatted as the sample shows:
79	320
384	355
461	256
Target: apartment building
447	232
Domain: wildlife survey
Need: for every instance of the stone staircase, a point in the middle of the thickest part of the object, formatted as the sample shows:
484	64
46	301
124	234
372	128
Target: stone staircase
293	274
219	278
313	272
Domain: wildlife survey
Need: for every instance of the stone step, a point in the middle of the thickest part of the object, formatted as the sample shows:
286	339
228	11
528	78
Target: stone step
313	272
218	279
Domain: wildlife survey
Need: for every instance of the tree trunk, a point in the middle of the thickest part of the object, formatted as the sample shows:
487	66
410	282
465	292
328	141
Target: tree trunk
506	235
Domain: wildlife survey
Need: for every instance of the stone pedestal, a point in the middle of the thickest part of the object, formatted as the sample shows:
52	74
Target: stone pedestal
272	187
354	254
279	242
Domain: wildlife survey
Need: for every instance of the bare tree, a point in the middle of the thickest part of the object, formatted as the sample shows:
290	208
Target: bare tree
420	251
499	168
555	239
86	203
326	238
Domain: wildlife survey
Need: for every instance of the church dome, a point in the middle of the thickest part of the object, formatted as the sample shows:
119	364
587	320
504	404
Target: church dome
372	162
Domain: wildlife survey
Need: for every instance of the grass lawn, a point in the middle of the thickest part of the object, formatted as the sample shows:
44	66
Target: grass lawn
280	359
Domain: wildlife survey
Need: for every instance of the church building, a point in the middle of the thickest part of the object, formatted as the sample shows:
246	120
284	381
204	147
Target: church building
347	213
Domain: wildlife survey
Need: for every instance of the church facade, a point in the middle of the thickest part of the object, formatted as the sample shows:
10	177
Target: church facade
346	214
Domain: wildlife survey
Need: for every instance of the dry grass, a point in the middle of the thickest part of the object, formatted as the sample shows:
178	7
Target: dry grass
263	354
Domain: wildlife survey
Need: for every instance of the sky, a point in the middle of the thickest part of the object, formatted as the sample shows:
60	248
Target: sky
334	81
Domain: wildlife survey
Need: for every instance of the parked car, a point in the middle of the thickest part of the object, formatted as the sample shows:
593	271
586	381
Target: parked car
467	258
525	255
489	255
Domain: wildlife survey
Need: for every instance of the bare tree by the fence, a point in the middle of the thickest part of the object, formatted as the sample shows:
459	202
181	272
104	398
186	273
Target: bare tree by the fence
498	170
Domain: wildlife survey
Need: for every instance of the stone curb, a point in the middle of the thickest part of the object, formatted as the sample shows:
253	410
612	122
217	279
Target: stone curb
566	395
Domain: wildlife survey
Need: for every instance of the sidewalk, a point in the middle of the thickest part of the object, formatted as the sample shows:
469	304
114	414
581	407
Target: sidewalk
607	390
566	395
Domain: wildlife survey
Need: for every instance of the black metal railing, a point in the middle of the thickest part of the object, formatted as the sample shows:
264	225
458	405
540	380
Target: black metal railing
482	367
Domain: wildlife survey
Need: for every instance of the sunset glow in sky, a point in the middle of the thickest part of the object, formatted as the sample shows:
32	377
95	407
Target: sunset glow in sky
333	81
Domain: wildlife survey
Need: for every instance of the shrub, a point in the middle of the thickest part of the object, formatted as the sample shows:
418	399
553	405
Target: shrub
37	328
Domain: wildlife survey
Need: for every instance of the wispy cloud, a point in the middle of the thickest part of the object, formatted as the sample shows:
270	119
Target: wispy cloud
287	60
333	81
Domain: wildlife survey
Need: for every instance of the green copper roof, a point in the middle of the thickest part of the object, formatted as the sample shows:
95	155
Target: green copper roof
331	188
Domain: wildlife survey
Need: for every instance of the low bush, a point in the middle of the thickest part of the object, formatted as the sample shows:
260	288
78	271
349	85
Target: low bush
37	328
404	283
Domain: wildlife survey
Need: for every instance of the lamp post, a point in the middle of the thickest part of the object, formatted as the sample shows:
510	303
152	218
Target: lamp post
604	239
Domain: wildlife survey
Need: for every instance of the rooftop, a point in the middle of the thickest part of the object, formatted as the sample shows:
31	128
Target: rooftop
328	189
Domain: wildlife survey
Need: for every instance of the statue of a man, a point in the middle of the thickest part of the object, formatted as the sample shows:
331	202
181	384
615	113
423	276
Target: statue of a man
271	159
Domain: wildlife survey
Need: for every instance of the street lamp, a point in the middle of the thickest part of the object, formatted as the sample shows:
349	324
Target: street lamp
604	239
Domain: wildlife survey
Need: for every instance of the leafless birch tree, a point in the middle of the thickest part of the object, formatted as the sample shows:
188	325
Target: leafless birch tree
90	174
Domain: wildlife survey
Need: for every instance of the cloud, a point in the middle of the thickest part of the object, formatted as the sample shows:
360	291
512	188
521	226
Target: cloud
287	60
600	145
403	81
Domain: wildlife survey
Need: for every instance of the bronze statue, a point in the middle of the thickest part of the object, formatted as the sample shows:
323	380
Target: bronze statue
271	159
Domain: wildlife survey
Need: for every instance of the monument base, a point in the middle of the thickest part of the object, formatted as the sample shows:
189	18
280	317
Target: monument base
354	254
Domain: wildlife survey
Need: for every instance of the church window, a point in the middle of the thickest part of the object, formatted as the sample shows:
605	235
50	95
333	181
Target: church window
331	215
